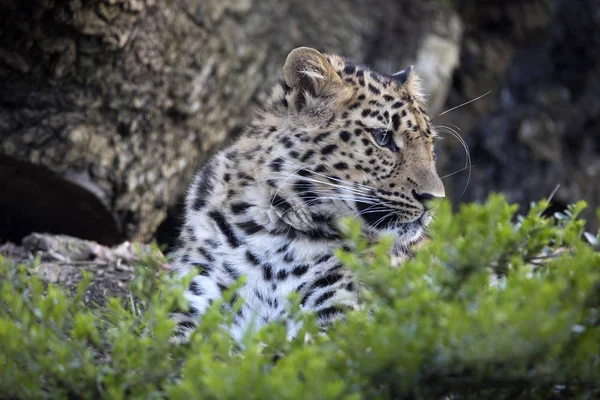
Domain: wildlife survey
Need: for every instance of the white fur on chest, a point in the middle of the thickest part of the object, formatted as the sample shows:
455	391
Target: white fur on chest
264	300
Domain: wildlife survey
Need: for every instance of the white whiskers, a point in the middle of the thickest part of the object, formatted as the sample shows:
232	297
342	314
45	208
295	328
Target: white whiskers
468	166
464	104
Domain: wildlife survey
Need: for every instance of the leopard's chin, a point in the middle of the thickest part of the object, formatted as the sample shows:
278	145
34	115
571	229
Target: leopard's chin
408	235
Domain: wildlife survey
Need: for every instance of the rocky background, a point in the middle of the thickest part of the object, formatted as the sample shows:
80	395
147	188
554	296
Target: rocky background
108	106
540	127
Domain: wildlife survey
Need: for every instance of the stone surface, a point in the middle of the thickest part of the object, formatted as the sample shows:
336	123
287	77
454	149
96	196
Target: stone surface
107	107
540	127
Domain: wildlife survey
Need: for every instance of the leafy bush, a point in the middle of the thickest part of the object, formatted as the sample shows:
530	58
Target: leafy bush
432	328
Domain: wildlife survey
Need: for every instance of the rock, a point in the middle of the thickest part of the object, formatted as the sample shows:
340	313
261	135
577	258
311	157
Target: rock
107	108
541	126
436	61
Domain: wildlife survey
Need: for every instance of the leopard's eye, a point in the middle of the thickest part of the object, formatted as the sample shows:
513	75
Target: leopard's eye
383	138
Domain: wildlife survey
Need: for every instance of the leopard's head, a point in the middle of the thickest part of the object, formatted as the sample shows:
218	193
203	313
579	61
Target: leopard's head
351	141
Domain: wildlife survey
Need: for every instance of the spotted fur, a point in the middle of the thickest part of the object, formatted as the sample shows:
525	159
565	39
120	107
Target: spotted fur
266	207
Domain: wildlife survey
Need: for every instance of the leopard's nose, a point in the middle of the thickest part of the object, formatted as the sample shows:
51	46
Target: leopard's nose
427	185
425	196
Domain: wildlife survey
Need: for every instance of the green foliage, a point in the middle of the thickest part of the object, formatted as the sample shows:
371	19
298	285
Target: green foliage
440	325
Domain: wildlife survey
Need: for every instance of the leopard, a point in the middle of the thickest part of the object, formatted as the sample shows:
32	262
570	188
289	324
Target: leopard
332	140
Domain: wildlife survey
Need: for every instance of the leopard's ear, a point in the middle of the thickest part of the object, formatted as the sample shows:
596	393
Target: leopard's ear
403	76
308	69
409	79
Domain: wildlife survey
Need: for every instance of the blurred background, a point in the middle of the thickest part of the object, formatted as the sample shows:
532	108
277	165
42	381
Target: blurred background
107	107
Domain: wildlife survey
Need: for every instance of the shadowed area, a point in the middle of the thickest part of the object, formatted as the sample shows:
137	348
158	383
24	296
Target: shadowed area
33	199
